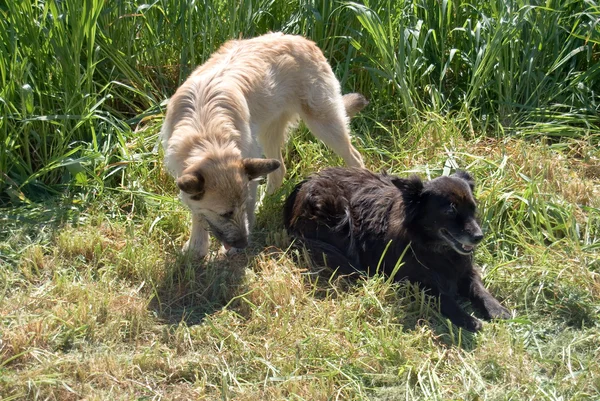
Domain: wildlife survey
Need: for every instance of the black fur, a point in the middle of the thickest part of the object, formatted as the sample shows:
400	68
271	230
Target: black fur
346	217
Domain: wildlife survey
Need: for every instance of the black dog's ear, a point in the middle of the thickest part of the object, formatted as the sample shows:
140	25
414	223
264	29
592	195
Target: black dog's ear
412	195
411	185
466	177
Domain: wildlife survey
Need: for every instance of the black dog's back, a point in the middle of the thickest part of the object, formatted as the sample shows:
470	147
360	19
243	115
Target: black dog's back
348	213
320	251
313	212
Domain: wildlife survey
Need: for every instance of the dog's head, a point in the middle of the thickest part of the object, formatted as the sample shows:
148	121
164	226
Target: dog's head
444	209
217	189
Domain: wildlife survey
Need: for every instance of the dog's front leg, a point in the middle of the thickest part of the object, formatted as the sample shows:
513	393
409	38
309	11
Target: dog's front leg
199	241
452	310
275	179
251	203
472	287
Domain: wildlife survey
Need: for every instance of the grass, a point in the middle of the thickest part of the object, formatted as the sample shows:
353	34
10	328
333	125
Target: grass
102	303
98	302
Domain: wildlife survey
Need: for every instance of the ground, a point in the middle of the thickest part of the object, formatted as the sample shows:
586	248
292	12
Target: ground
97	300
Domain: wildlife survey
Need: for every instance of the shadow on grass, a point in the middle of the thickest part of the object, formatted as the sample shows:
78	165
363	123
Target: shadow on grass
23	225
194	289
411	306
416	309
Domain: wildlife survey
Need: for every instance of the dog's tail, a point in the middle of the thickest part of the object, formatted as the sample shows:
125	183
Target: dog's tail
288	207
354	102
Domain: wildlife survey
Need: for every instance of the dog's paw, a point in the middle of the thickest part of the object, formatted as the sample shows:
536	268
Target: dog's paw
472	324
230	251
498	311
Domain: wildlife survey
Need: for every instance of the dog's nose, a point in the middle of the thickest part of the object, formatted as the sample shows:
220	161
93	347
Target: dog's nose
477	237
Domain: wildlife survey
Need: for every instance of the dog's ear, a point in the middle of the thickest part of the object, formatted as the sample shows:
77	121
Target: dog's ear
466	177
191	183
258	167
413	195
412	186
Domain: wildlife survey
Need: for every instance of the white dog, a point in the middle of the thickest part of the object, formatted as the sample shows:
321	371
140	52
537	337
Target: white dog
236	107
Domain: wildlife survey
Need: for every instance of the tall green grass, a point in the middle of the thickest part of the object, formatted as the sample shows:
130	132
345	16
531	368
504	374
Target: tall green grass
78	78
506	65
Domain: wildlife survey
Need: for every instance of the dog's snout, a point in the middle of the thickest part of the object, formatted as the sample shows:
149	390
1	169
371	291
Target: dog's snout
240	243
475	233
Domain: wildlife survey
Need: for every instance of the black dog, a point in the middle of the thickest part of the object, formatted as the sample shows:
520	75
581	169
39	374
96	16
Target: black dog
347	217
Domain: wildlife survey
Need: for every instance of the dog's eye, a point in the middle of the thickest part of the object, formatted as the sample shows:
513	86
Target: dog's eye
451	210
227	215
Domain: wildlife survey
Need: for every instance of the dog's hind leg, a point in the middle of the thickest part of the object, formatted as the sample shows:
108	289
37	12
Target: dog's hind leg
324	254
328	122
272	140
199	241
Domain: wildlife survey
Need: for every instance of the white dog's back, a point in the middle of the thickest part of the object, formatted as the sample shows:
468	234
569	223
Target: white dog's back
247	85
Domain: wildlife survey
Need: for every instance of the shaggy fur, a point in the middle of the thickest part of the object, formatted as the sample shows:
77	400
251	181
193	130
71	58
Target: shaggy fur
346	217
237	107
